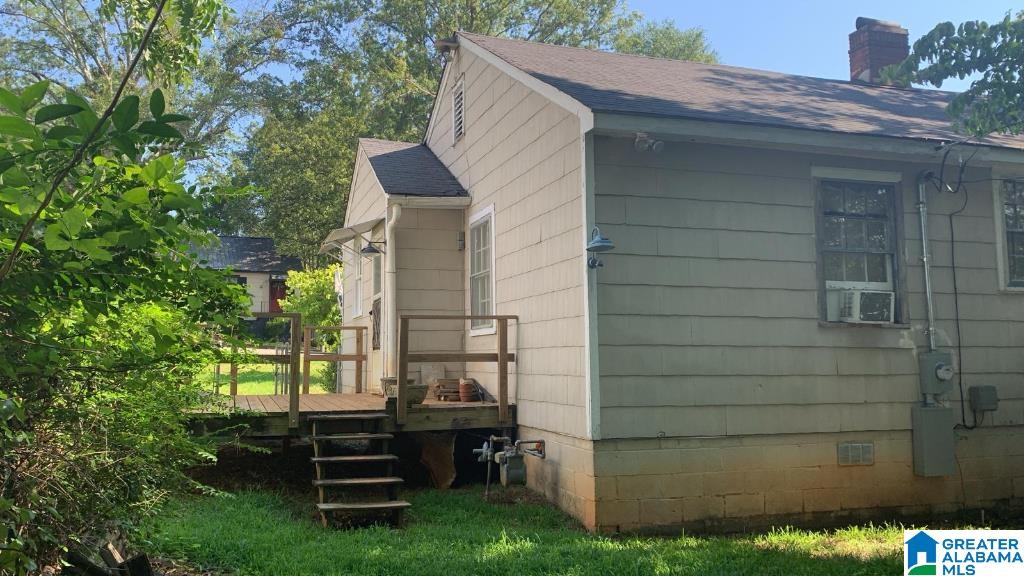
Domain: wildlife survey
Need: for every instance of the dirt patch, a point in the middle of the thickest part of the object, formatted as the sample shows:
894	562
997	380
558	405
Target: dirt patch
512	495
273	467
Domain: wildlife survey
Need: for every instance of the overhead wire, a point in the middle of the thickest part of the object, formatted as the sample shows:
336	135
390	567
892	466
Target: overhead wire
960	187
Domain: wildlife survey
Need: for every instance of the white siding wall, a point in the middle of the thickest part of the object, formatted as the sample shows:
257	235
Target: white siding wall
257	284
430	281
708	311
521	154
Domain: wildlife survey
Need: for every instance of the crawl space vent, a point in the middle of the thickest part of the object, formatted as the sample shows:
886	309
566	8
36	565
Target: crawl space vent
856	453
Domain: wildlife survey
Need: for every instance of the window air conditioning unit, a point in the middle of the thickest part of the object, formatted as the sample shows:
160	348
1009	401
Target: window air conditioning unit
867	306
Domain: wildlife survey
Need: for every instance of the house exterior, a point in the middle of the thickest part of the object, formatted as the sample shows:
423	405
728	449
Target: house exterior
760	345
254	263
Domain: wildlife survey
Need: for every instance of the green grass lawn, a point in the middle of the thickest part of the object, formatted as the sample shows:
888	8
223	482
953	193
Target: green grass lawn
255	378
456	533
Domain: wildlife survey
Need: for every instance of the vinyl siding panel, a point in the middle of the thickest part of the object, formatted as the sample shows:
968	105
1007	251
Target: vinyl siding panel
708	306
521	155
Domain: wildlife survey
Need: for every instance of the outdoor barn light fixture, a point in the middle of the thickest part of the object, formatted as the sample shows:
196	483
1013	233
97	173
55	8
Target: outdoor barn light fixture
598	243
644	143
370	249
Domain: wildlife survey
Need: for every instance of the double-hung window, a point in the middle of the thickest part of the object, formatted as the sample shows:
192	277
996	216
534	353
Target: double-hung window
857	225
1012	203
481	264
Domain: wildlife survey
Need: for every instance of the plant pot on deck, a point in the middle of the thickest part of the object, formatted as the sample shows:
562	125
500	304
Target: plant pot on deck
415	393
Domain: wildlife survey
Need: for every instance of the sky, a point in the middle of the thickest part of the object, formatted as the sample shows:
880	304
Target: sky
810	37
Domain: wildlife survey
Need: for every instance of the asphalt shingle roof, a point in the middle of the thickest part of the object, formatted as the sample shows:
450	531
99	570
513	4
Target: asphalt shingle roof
247	254
627	84
407	169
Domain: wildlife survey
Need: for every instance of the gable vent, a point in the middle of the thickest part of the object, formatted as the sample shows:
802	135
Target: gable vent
458	111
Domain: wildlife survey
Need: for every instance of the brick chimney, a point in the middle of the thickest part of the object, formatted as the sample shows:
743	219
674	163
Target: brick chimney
874	45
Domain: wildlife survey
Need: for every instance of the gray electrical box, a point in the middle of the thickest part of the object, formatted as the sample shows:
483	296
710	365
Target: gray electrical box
933	440
984	398
936	372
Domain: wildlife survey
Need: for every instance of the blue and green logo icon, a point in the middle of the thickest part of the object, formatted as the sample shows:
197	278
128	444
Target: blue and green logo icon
921	554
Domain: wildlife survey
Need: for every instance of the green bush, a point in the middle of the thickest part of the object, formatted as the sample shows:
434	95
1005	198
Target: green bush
311	293
105	318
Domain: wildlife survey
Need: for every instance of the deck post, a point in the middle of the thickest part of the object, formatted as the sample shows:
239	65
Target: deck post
359	361
502	370
293	389
234	378
307	335
401	408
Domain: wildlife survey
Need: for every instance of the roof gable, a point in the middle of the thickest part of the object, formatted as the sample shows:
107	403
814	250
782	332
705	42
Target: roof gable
638	85
407	169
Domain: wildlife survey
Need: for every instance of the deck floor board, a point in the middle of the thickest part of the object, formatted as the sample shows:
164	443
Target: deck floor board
319	403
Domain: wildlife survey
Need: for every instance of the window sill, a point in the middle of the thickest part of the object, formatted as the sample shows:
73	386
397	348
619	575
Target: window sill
489	331
1012	289
894	326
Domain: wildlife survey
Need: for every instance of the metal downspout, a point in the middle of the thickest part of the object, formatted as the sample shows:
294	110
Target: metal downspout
922	213
391	292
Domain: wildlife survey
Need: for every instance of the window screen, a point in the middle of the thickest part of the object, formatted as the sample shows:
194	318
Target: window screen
857	244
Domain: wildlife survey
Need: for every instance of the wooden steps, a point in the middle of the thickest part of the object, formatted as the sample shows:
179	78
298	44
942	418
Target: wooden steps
348	416
354	459
363	506
355	472
368	481
358	436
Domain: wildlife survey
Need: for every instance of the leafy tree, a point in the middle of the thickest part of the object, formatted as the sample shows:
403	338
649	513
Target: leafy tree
311	293
306	168
105	317
994	52
664	40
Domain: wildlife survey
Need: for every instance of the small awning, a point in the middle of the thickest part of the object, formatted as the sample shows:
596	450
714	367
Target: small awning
339	236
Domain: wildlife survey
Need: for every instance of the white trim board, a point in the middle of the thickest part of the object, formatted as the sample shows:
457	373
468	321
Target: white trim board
832	173
1002	259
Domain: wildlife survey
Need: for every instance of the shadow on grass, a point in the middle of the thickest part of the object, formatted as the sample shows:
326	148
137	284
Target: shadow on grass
455	533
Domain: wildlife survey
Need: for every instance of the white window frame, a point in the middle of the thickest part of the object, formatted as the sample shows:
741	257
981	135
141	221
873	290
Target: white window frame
830	173
459	99
357	276
478	217
1002	256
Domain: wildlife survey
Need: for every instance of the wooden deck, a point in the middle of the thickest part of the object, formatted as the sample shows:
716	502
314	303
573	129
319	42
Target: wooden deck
267	414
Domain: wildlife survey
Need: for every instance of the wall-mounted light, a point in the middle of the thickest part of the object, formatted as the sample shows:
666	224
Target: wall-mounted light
644	143
371	250
598	243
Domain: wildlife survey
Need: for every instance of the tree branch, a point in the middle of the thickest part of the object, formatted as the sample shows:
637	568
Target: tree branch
79	154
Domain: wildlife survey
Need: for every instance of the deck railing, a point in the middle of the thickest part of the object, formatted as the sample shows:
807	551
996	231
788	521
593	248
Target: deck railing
501	356
293	357
360	357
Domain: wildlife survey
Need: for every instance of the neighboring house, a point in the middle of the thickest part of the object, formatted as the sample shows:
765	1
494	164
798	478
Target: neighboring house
749	350
256	264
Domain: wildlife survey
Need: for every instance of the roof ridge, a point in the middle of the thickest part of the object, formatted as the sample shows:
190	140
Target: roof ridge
694	63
